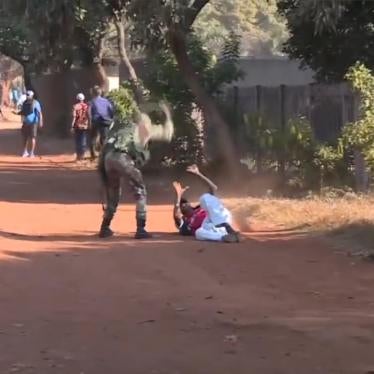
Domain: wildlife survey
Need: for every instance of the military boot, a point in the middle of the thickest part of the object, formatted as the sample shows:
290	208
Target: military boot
105	231
141	232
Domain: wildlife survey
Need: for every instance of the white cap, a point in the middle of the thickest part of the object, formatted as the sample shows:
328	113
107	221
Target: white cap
29	93
80	97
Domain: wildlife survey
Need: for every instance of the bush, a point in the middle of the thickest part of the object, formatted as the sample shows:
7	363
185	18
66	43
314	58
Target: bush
123	102
360	134
293	152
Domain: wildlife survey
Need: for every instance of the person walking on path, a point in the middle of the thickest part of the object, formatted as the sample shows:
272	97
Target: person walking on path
101	117
32	120
80	125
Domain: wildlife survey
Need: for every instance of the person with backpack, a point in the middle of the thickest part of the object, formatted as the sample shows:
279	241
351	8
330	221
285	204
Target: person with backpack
79	126
32	119
101	117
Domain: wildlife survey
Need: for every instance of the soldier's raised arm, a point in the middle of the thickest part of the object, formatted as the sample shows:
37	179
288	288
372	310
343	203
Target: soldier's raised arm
163	132
149	131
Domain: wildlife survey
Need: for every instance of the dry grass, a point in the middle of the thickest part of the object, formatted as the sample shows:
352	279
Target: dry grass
349	219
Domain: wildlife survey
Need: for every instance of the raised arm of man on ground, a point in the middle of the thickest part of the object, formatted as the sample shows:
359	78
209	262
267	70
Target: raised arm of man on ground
193	169
177	213
187	218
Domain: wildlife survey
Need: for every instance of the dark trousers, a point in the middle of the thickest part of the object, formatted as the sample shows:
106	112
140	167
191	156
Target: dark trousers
117	166
80	142
98	130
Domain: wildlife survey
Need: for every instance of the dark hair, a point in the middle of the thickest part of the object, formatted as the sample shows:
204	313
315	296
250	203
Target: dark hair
97	91
183	201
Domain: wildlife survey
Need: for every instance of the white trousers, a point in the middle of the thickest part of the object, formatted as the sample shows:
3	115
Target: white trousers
217	214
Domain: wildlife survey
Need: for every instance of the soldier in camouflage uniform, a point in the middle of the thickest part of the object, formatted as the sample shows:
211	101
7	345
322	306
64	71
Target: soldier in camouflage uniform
124	153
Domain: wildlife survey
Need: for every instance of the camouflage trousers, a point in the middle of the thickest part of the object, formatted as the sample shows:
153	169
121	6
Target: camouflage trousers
118	166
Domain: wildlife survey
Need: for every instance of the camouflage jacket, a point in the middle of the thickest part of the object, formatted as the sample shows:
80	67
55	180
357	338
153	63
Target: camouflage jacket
132	139
124	138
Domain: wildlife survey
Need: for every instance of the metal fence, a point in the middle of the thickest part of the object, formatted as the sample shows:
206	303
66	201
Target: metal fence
327	107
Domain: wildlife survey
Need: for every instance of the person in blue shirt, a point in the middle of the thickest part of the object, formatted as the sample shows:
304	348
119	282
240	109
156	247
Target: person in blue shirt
101	117
32	119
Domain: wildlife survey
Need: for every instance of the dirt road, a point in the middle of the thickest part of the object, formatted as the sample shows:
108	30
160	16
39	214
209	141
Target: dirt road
73	304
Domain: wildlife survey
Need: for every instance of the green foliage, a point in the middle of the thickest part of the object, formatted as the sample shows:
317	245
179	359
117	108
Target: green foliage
37	34
329	36
165	82
123	102
259	135
294	146
360	134
294	143
262	29
15	41
55	35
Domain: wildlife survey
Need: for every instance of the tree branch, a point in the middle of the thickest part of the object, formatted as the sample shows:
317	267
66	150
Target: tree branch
194	11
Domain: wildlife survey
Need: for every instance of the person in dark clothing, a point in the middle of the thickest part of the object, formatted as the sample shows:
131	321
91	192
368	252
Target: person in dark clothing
122	158
101	117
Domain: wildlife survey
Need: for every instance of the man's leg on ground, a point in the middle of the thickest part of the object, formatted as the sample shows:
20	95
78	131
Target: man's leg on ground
113	194
215	209
124	166
76	141
34	132
138	187
93	139
84	142
32	146
218	214
79	146
210	233
25	139
104	131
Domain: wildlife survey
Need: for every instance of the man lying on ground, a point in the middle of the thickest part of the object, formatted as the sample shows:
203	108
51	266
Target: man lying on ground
208	221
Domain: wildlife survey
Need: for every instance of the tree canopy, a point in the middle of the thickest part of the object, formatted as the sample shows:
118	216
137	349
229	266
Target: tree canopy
258	22
330	36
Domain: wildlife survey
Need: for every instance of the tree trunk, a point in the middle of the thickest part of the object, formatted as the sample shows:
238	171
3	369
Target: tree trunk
361	173
178	46
122	50
5	86
99	76
27	77
97	65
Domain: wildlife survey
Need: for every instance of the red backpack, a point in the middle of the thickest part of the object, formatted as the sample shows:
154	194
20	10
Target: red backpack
81	116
